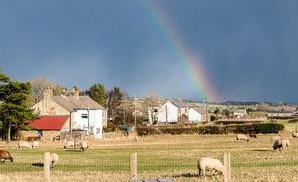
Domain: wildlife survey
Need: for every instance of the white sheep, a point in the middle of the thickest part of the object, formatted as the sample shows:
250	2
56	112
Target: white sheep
71	144
280	144
242	137
35	144
24	145
208	163
54	159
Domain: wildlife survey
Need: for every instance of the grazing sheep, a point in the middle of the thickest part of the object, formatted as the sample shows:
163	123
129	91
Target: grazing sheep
295	135
280	144
5	155
71	144
54	159
24	145
208	163
83	145
35	144
242	137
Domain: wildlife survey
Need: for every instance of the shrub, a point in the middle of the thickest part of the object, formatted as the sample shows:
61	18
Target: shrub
268	128
147	130
211	129
293	120
178	130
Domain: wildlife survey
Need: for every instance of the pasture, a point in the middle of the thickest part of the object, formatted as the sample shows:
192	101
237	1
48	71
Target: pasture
159	156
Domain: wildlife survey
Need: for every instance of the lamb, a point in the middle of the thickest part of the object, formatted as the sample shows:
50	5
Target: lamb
5	155
242	137
24	145
54	159
281	144
208	163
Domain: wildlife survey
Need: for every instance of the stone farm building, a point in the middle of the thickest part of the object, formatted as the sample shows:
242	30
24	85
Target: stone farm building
71	112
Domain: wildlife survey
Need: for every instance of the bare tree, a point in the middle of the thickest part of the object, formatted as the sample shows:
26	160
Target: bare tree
39	85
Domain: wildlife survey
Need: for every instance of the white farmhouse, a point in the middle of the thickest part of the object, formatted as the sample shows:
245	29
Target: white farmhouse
240	113
171	111
84	113
196	115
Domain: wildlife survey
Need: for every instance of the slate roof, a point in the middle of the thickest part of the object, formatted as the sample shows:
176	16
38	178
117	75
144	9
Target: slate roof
200	110
72	103
179	104
49	122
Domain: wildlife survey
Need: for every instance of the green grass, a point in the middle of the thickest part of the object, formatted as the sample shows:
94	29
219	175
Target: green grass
163	155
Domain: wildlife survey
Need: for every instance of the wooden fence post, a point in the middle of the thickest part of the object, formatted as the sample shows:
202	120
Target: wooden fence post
134	166
46	167
227	166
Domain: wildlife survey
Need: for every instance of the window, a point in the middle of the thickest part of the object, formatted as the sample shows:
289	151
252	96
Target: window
84	115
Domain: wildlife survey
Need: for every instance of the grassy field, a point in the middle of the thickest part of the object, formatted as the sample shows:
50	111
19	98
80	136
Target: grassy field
163	156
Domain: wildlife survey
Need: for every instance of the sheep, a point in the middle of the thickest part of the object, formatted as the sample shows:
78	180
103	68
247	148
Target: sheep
54	159
295	135
83	145
24	145
208	163
242	137
35	144
5	155
281	144
71	144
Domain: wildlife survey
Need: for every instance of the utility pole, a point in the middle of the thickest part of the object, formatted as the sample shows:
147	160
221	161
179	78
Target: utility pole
135	114
206	111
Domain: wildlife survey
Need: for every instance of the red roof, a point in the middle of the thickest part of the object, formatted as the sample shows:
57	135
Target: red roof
49	122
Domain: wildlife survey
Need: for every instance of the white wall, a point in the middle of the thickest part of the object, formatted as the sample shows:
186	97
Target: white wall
194	116
93	117
168	113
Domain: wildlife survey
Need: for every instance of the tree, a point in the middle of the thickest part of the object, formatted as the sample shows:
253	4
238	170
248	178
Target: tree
39	85
114	101
98	93
3	78
14	109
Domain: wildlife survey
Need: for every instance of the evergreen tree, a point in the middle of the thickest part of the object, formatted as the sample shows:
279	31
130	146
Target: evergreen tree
14	109
97	92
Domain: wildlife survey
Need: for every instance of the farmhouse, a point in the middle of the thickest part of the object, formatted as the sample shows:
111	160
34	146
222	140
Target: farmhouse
171	111
174	111
196	115
239	113
83	113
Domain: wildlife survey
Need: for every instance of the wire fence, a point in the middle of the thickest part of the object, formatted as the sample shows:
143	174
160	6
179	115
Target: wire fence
72	169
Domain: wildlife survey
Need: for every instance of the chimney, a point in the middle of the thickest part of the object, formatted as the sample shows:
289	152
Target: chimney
47	94
75	93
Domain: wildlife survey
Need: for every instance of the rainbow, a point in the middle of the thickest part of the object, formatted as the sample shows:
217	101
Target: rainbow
189	62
